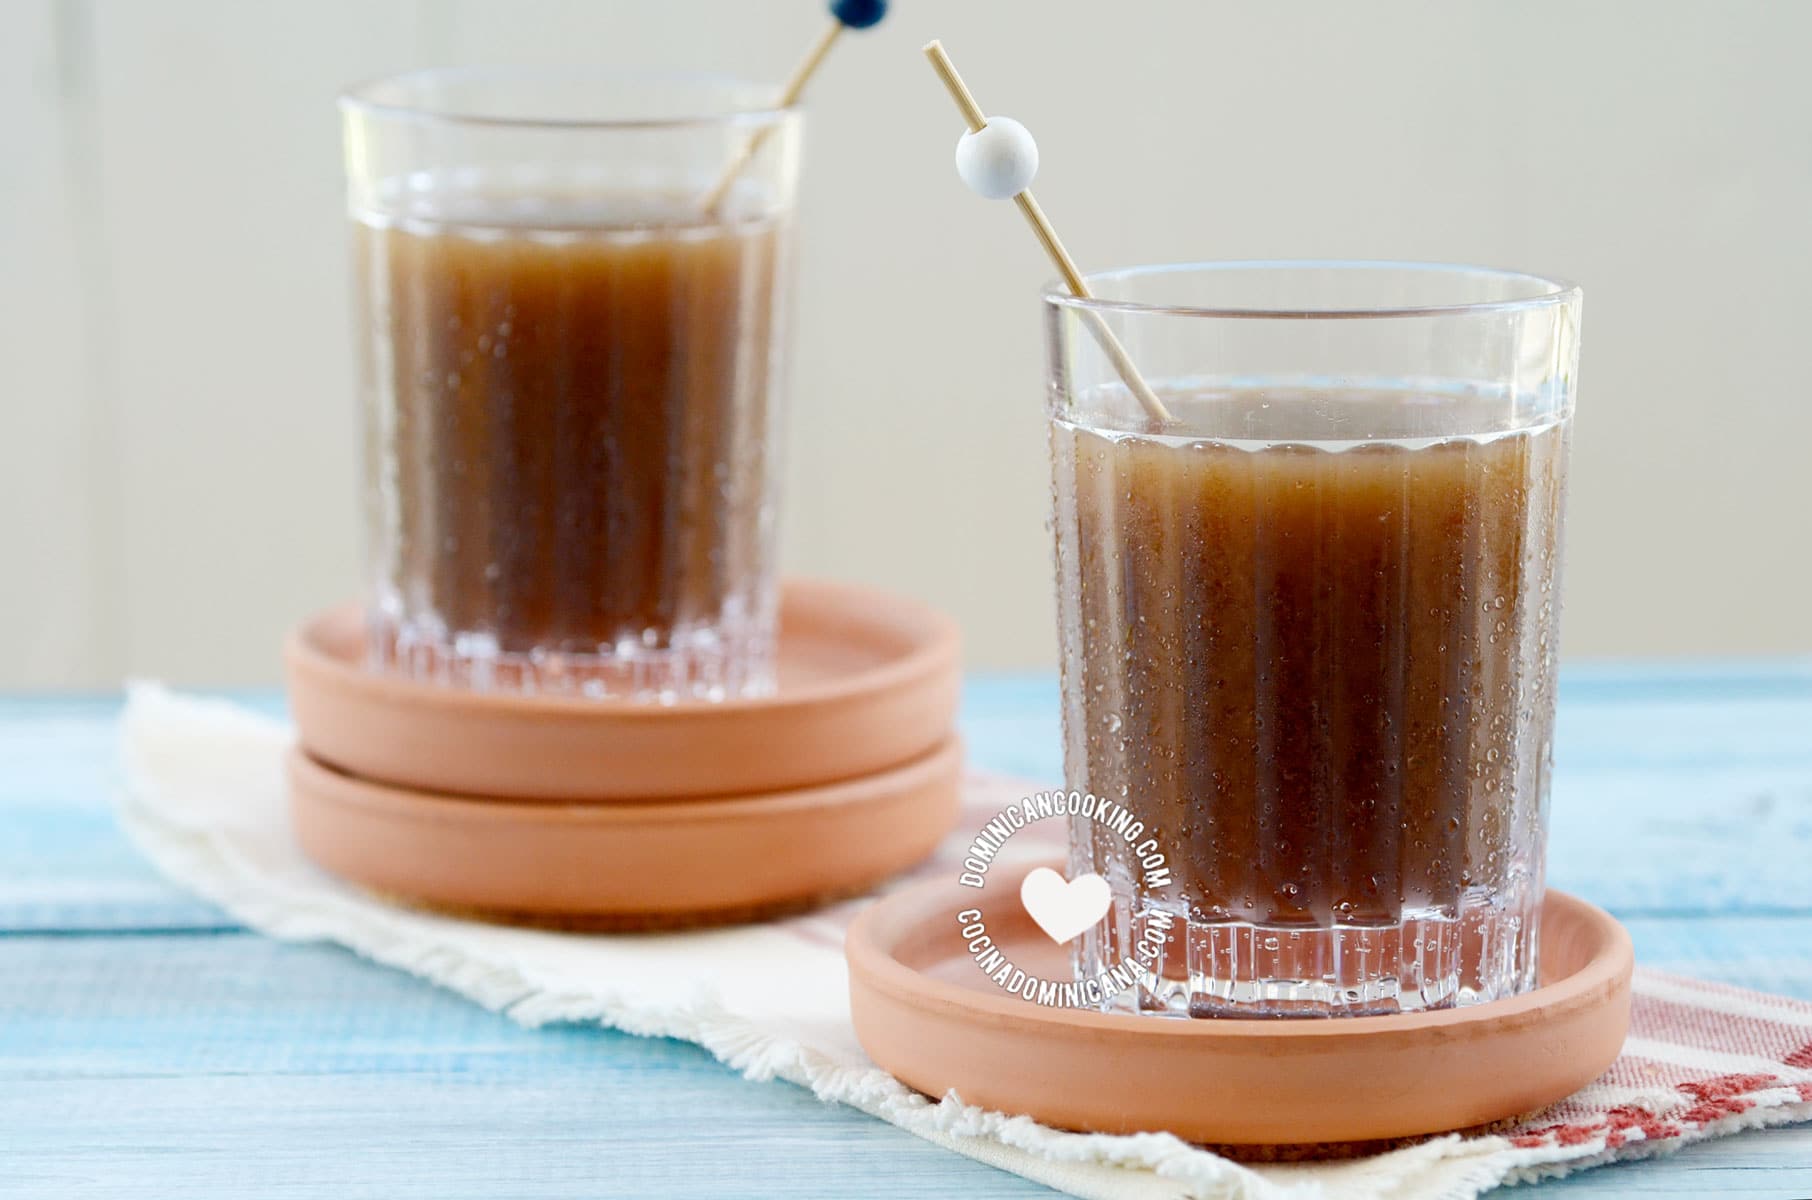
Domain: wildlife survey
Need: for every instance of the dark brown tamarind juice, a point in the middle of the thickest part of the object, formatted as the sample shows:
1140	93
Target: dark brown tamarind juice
1321	671
570	418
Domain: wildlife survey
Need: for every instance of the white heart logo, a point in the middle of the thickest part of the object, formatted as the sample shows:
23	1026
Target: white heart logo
1065	908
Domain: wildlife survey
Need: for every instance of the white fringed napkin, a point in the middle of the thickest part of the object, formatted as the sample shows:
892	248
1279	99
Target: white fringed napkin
205	801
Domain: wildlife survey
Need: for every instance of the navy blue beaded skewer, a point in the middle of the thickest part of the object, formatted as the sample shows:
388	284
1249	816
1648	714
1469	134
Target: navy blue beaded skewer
845	14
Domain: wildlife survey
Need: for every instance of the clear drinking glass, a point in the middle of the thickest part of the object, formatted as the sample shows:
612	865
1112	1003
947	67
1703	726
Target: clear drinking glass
1308	625
571	362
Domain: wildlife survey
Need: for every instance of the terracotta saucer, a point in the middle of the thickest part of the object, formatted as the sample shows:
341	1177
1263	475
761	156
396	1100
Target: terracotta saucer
925	1012
868	681
625	865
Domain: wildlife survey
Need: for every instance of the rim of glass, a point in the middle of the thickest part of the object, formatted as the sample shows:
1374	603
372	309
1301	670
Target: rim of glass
362	97
1552	291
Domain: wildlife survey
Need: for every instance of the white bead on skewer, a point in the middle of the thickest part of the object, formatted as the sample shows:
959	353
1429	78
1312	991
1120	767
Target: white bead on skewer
998	158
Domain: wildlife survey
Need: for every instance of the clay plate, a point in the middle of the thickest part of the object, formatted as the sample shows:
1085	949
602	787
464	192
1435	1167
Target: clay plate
868	681
925	1012
627	865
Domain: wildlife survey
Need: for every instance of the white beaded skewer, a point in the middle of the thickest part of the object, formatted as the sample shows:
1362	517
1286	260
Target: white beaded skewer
997	158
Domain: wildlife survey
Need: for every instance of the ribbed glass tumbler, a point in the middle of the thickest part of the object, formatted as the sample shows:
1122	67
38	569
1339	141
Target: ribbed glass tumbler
572	290
1308	626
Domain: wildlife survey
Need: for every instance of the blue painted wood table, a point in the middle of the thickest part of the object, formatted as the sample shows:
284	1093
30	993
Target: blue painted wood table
149	1046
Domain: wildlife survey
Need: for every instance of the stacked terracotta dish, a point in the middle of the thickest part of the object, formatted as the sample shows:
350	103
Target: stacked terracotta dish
575	811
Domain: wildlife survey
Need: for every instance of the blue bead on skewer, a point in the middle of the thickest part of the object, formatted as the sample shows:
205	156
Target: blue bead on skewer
859	14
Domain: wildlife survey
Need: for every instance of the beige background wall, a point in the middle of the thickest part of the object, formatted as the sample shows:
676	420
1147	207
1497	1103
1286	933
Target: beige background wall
174	405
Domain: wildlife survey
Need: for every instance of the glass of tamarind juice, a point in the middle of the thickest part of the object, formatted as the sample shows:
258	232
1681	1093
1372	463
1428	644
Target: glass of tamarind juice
572	326
1308	625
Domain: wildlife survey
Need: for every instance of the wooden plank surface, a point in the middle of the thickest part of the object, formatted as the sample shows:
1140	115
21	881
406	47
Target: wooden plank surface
150	1047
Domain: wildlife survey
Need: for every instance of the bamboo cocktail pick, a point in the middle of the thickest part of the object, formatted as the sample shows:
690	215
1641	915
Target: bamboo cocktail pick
845	14
997	158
